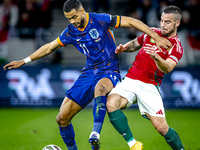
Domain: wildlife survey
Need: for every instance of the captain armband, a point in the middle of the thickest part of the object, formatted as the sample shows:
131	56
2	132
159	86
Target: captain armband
116	21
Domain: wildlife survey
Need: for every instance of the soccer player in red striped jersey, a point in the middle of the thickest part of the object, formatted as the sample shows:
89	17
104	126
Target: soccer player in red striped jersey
141	83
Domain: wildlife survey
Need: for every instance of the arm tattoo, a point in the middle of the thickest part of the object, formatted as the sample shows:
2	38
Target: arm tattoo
133	46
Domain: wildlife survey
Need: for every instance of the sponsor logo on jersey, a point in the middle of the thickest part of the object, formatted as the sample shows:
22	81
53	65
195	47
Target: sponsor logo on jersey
94	33
152	40
78	39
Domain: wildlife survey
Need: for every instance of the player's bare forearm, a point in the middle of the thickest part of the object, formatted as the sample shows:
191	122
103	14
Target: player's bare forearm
135	23
165	66
133	46
41	52
162	65
45	50
128	47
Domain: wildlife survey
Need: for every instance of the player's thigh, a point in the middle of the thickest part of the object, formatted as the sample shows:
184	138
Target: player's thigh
104	86
106	82
115	101
124	90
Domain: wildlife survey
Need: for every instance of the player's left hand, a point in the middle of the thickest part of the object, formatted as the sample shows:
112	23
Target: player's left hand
163	42
149	49
121	48
14	64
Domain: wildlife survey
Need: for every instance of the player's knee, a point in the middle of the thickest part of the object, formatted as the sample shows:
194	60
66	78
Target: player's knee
62	120
100	90
111	105
162	128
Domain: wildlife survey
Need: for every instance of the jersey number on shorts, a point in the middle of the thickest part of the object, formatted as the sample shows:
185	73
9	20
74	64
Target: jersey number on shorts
114	77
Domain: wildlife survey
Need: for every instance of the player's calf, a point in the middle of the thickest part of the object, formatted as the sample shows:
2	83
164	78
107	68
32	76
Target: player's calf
173	139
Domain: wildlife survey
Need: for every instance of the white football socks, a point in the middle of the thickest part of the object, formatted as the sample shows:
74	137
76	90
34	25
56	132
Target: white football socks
131	143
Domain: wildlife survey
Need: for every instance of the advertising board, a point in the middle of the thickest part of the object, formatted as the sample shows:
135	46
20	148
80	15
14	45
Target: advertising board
46	86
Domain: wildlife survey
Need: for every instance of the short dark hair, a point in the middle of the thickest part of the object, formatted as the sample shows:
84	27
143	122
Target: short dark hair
71	4
174	10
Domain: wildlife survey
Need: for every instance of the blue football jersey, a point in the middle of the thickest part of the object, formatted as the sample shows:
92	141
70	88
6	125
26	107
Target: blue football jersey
96	41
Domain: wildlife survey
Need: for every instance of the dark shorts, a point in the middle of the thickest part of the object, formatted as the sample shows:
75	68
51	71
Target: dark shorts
82	92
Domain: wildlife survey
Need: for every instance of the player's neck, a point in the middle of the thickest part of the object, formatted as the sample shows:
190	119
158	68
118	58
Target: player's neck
172	34
84	20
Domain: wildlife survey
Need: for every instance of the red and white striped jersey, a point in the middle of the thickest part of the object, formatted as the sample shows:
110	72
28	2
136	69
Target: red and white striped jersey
144	67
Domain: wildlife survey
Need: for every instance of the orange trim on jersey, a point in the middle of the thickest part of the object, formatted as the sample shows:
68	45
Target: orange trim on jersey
118	22
111	34
82	29
59	41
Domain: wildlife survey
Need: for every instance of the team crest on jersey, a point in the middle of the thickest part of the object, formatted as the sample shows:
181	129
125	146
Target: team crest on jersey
152	40
94	33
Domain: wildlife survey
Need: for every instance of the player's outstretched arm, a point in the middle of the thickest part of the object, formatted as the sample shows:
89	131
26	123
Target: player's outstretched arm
131	22
41	52
128	47
121	48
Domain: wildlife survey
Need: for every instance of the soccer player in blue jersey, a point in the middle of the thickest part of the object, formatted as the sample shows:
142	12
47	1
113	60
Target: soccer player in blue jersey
92	35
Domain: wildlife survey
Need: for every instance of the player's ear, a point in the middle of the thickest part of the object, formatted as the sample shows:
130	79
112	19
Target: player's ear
82	10
178	23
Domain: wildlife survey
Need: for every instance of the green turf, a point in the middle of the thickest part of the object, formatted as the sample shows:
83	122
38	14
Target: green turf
32	129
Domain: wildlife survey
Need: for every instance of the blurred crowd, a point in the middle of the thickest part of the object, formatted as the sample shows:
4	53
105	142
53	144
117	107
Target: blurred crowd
149	11
23	17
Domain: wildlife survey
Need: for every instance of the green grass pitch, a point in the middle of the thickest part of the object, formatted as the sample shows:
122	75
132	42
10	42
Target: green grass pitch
32	129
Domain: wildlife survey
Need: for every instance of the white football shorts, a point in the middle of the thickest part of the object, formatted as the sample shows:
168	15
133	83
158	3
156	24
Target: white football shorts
146	95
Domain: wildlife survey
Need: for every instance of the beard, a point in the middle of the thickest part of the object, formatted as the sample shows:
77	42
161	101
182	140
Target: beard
81	24
168	33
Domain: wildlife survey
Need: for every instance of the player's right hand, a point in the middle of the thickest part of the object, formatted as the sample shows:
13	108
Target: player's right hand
121	48
163	42
14	64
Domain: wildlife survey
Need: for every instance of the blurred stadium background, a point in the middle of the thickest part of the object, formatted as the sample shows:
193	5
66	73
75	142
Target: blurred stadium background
25	25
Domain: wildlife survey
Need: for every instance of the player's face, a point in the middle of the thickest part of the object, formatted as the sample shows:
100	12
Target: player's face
168	25
76	17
